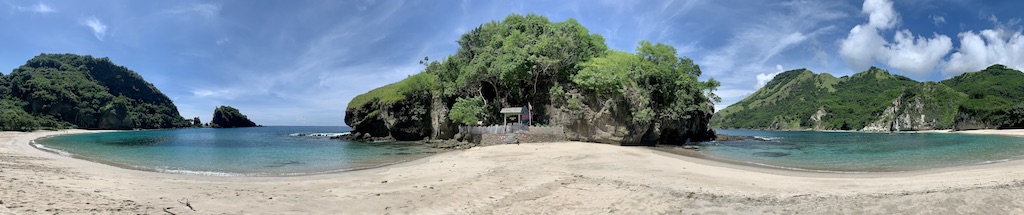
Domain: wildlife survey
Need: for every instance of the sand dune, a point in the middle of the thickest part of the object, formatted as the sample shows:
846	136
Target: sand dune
546	178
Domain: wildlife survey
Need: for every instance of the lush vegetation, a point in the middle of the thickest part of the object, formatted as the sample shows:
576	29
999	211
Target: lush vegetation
525	59
654	82
467	111
851	103
229	117
994	95
55	91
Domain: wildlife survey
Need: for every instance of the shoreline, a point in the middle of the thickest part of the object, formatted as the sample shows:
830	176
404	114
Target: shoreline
559	177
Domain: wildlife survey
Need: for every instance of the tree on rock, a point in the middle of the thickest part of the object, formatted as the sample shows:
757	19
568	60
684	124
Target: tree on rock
229	117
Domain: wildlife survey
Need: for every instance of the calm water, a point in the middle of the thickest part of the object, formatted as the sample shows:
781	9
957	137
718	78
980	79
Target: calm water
865	152
261	151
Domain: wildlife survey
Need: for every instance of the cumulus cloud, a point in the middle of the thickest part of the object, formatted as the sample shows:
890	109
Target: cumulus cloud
37	8
764	78
984	48
865	45
917	55
98	28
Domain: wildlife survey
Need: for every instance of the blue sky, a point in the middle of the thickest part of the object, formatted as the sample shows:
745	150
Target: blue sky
300	62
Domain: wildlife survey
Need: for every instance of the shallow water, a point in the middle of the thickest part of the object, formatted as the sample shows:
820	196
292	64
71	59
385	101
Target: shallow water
865	152
259	151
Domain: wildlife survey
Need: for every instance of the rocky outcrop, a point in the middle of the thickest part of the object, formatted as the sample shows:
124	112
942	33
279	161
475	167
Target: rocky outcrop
919	109
229	117
409	119
608	120
441	127
816	118
966	121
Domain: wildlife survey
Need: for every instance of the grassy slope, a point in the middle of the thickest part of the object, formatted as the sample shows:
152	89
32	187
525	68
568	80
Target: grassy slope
391	93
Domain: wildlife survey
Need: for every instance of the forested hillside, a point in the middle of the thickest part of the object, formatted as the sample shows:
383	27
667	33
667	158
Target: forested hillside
54	91
875	100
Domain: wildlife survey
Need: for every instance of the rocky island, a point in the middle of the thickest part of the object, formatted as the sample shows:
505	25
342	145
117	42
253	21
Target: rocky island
229	117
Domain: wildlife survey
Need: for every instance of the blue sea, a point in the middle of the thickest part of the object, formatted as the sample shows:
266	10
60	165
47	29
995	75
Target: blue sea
853	152
283	150
257	151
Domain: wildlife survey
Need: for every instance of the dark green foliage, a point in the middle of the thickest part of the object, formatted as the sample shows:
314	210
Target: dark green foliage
516	61
229	117
654	82
196	123
507	63
66	90
467	111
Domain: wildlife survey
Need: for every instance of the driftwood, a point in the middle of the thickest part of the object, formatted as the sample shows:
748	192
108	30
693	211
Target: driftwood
186	203
165	210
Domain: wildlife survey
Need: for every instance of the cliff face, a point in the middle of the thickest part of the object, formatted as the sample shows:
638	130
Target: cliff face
413	118
920	108
229	117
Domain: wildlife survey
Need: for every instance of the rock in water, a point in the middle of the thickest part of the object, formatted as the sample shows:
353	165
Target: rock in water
229	117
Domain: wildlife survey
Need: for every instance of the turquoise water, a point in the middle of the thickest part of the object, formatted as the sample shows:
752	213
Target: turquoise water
259	151
865	152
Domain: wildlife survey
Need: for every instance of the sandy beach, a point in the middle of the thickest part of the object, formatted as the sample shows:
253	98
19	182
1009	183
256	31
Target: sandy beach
544	178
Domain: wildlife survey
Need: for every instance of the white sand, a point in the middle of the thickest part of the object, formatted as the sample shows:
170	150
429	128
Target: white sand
546	178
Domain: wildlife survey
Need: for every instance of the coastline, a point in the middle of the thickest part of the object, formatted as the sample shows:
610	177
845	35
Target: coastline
560	177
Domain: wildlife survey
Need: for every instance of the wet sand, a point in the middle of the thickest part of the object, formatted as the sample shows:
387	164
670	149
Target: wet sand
542	178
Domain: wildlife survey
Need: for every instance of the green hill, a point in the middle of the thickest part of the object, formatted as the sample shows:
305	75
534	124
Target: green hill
875	100
53	91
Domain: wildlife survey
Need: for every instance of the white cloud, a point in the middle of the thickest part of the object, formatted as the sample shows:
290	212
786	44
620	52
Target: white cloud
222	41
37	8
918	55
881	14
206	10
938	20
980	50
864	45
764	78
98	28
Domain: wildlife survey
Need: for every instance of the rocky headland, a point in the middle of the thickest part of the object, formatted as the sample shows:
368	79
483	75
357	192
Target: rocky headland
568	78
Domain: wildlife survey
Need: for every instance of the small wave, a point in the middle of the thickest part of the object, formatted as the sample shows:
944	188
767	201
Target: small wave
203	173
804	170
767	138
58	151
318	134
994	161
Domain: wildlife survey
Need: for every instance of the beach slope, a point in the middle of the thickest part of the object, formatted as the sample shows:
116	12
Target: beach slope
544	178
